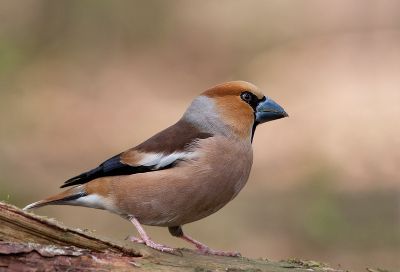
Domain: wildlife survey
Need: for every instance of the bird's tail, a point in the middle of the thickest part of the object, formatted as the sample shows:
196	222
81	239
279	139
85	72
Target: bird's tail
64	198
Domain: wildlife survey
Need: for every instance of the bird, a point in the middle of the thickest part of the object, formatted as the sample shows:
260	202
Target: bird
182	174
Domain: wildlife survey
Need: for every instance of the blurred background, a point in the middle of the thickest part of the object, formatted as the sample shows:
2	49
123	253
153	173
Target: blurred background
81	81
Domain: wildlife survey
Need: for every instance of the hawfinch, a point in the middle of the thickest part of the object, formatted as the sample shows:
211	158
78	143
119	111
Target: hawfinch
183	173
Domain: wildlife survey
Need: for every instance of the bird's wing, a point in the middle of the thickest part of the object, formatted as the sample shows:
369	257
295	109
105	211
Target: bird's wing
162	151
128	163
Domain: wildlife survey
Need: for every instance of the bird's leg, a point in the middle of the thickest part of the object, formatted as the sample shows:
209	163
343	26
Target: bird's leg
146	239
178	232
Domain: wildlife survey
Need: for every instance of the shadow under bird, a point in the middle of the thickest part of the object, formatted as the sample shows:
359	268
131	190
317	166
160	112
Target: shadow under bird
183	173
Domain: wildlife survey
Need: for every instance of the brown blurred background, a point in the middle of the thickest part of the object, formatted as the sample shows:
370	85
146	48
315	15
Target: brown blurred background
81	81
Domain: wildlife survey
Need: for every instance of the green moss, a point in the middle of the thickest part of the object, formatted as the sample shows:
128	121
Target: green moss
306	263
7	201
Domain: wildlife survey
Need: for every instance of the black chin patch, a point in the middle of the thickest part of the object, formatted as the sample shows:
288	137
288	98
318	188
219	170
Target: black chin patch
253	130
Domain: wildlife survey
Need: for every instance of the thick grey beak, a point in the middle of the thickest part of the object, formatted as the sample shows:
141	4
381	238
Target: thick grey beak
268	110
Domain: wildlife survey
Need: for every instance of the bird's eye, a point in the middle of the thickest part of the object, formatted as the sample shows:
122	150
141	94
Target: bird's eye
246	96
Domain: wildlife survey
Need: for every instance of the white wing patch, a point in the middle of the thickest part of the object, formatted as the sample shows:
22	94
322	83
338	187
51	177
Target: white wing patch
160	160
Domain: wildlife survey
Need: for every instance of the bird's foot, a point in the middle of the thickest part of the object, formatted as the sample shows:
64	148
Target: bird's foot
146	239
151	244
206	250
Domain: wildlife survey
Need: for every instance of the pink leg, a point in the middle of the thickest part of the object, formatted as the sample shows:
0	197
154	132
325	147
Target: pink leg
146	239
205	249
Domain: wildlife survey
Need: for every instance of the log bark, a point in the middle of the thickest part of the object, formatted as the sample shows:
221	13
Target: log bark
31	243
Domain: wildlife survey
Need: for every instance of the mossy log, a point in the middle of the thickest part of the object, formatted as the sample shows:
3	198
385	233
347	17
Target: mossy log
31	243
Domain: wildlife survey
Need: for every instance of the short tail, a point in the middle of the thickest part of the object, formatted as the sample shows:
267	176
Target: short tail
60	199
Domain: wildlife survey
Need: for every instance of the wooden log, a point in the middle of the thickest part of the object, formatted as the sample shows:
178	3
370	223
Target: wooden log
32	243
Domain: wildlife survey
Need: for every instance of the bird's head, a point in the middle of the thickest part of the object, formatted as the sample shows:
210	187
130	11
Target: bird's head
233	109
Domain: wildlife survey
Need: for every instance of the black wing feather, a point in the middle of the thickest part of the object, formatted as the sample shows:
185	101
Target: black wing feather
112	167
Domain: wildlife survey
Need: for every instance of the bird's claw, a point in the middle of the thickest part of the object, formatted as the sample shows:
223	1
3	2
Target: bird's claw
153	245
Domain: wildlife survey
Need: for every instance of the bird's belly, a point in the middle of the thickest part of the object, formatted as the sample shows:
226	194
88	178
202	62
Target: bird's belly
172	198
183	202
